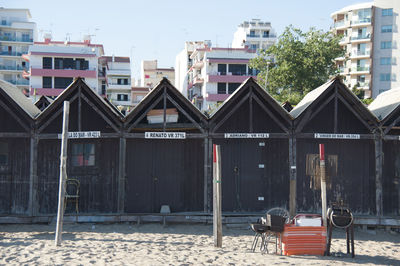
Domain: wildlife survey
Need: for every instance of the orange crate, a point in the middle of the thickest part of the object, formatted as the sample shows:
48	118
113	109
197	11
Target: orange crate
303	240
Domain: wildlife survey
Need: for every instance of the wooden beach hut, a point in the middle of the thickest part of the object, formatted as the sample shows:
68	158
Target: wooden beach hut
93	151
17	140
254	133
332	115
166	145
386	107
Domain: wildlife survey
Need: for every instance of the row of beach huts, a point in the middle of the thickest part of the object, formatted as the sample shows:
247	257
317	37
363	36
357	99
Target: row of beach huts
136	163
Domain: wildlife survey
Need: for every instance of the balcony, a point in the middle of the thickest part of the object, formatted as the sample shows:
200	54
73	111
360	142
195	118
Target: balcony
90	73
364	84
22	82
120	87
46	91
14	39
360	54
259	36
361	22
344	40
361	38
6	53
11	68
214	77
360	70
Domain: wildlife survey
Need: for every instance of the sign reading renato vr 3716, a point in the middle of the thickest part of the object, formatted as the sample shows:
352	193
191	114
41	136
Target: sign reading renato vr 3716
165	135
82	135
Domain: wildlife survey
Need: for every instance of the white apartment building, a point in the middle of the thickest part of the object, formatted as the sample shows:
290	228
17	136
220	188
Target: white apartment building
370	34
54	65
151	74
17	33
216	73
115	80
254	34
183	64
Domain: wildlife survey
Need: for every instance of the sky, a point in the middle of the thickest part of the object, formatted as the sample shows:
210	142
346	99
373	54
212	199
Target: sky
158	29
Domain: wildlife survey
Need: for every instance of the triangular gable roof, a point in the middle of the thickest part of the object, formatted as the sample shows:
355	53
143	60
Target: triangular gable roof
19	98
73	88
150	97
43	100
386	104
315	96
238	93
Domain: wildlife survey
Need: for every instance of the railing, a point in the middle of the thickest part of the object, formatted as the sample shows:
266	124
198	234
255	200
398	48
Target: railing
339	24
253	35
12	53
361	68
15	39
363	84
11	67
361	21
341	69
229	74
361	53
368	36
113	83
19	82
263	36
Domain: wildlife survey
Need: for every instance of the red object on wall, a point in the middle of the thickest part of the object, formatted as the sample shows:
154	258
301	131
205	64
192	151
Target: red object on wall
321	152
146	76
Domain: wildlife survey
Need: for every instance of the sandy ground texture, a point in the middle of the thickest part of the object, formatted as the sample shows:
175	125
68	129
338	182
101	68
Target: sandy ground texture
153	244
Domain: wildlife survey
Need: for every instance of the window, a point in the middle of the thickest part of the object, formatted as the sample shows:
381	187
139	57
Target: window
387	12
222	69
83	154
232	87
386	61
119	81
3	153
386	28
238	69
252	33
386	45
266	34
47	82
62	83
126	81
47	63
221	88
103	87
122	97
58	63
384	77
253	71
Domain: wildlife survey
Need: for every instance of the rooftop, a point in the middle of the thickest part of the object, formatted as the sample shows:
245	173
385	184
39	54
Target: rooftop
353	7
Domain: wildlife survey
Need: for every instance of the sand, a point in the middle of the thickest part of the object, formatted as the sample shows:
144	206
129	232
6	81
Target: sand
153	244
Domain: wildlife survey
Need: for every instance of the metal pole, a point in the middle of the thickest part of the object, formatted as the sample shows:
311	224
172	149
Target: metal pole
323	182
63	175
217	213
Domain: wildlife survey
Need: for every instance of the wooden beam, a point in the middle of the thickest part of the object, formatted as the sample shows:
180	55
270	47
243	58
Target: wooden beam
285	129
159	126
387	129
205	178
121	174
378	175
15	116
293	175
54	115
209	175
100	113
79	108
335	114
354	112
144	114
14	135
231	112
251	118
165	108
33	177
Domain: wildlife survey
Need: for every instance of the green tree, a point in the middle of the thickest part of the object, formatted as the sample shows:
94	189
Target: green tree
297	63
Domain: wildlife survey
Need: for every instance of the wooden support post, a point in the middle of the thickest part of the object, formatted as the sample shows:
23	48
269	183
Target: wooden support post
292	171
217	208
121	174
378	175
323	182
209	175
33	178
63	174
205	180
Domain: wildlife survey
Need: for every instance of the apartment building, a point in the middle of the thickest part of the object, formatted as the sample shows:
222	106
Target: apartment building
151	74
138	93
17	33
254	34
54	65
216	73
115	80
183	63
370	34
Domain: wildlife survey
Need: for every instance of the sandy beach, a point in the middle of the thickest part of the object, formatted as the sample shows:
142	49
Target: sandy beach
177	244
